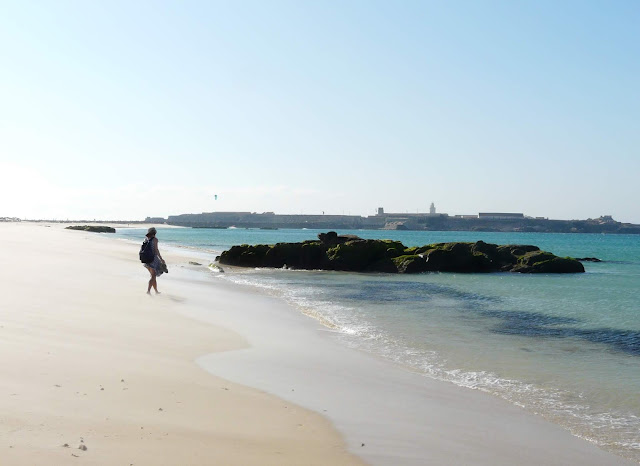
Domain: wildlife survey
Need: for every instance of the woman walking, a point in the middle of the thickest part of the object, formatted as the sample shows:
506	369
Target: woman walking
157	266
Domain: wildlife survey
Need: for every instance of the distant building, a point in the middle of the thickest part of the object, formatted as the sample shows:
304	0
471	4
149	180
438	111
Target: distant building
500	215
484	221
405	215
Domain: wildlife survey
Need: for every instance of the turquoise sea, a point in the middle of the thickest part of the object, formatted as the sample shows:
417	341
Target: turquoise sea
566	347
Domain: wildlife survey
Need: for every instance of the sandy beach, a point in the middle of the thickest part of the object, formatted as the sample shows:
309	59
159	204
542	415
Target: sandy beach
210	372
89	360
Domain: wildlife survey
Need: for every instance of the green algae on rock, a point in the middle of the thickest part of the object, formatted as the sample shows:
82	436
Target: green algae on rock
350	253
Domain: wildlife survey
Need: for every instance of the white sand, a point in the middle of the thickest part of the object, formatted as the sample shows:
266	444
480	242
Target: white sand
89	359
77	316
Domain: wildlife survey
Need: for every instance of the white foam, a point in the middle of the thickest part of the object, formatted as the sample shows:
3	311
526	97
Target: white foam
616	431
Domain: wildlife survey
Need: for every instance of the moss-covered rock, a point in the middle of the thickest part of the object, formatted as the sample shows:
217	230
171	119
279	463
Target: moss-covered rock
456	257
333	252
245	255
364	255
411	263
547	263
531	258
332	238
558	265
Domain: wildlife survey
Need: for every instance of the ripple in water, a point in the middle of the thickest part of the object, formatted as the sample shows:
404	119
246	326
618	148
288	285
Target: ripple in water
444	331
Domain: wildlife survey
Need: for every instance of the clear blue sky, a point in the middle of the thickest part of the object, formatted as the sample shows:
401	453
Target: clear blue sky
119	109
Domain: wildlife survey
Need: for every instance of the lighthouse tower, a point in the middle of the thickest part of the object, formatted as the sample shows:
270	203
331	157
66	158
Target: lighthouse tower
432	209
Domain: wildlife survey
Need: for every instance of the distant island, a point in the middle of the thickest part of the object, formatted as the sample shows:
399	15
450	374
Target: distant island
432	221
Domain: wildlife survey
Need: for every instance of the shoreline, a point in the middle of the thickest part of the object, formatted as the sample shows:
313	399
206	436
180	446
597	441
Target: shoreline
314	329
90	361
401	417
256	366
548	435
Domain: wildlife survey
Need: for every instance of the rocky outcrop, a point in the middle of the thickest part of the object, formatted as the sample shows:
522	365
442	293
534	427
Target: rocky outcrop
92	228
349	253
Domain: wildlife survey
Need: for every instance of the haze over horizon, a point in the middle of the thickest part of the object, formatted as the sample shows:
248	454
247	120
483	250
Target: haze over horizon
119	110
142	220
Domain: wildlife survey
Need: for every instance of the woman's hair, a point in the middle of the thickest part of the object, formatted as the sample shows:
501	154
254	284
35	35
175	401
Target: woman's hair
151	232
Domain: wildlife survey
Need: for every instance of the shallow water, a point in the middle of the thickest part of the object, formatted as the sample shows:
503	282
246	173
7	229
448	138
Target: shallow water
566	346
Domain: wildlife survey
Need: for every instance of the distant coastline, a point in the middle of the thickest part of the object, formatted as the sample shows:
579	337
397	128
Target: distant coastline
489	222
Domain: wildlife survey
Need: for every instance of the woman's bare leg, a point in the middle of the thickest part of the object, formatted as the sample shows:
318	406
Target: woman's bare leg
152	281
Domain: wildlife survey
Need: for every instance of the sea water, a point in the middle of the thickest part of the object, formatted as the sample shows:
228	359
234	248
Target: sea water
566	347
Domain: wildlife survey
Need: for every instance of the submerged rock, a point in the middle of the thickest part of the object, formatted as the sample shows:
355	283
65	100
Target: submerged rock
215	268
348	253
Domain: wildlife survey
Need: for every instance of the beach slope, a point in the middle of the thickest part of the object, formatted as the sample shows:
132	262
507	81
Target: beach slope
94	368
